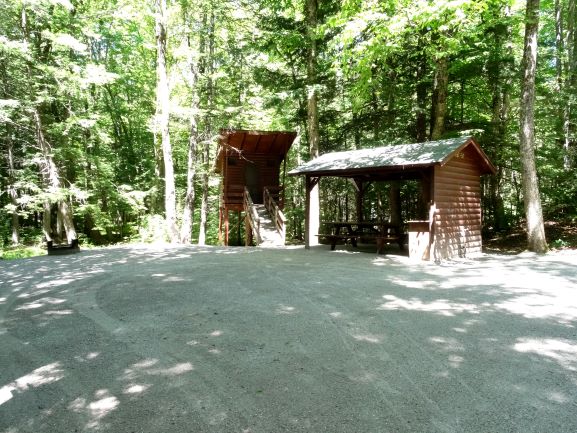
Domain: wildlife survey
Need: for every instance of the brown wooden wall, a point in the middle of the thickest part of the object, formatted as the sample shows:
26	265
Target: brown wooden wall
234	176
456	223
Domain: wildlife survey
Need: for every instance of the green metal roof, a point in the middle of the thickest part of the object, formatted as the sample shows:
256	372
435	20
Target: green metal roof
396	156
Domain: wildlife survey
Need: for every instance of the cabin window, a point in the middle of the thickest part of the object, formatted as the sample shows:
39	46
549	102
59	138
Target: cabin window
231	160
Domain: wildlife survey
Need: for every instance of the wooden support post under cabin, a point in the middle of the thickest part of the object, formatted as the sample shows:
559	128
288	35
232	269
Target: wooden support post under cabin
396	216
238	229
312	214
220	216
226	226
248	232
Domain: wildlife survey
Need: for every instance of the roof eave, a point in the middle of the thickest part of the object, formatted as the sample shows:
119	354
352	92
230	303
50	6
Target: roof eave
488	166
360	171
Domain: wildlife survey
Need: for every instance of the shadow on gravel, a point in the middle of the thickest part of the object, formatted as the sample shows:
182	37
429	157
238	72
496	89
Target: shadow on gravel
189	339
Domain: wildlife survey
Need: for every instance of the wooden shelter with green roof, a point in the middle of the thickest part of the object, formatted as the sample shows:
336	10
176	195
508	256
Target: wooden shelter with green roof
449	172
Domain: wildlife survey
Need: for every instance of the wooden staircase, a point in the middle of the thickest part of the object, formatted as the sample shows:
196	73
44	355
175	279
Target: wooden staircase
265	223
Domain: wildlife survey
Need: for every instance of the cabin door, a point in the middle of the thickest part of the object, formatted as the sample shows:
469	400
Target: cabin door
251	180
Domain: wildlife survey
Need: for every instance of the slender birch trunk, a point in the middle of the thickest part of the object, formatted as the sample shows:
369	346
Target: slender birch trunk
163	116
189	201
532	201
312	117
206	151
440	91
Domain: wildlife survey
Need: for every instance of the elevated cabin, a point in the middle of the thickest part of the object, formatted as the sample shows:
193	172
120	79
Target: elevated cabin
250	164
449	172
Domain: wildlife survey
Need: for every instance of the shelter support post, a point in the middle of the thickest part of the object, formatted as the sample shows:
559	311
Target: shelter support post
419	240
312	211
220	211
360	187
226	226
248	232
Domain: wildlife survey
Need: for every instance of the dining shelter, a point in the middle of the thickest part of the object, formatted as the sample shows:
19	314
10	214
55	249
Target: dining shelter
449	172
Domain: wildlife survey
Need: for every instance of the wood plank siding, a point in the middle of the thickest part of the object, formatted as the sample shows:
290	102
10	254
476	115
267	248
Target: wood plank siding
265	171
456	221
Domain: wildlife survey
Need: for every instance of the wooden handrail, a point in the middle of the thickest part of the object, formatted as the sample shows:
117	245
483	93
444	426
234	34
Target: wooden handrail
274	211
252	216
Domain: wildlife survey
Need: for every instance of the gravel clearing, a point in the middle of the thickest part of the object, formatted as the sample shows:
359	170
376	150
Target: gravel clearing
207	339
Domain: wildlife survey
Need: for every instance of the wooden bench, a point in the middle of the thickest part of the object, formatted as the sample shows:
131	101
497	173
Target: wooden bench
381	241
355	232
333	239
58	250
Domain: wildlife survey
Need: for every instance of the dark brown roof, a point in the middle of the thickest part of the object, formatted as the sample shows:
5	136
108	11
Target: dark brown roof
244	142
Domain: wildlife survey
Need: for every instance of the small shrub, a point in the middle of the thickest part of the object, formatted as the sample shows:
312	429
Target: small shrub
21	252
559	244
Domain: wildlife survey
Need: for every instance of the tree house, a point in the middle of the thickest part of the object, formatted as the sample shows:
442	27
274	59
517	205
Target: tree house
250	163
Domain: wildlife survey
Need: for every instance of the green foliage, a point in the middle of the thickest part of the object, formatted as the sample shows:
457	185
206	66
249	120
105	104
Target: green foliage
21	252
559	244
88	69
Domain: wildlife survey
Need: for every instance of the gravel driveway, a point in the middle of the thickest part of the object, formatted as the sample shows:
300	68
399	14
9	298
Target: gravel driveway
190	339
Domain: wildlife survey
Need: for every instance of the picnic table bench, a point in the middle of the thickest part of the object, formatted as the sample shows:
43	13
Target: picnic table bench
380	233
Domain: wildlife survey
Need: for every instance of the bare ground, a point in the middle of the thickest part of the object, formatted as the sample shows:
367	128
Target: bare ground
189	339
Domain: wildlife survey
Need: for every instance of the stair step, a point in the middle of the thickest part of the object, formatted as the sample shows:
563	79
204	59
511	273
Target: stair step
268	232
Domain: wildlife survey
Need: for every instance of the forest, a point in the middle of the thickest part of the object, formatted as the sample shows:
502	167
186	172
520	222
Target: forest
110	110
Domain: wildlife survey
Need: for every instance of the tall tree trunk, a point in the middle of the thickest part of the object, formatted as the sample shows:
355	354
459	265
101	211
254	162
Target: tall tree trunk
532	201
209	69
188	211
47	166
52	181
570	91
421	90
205	191
560	66
11	188
440	89
163	113
499	70
13	193
312	117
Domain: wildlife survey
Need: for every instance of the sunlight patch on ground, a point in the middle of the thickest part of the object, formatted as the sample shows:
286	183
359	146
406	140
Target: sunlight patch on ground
563	352
149	367
58	312
135	388
285	309
442	307
448	344
41	303
55	283
368	338
88	357
34	293
558	304
103	404
415	284
41	376
558	397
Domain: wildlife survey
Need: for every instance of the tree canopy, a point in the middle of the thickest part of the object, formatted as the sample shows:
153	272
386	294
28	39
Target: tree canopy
104	103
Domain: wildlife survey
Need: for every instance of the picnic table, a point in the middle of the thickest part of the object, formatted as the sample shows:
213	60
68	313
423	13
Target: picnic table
362	231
